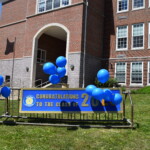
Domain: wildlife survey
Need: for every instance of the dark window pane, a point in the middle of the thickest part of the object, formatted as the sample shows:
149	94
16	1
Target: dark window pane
138	3
122	43
137	41
56	3
48	4
123	5
65	2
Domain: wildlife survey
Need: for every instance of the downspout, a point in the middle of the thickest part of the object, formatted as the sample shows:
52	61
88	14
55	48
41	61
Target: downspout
85	34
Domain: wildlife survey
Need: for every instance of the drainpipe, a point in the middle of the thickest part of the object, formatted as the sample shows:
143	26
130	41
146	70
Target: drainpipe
84	48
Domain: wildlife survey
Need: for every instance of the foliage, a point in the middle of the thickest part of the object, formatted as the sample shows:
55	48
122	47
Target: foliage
123	88
110	83
144	90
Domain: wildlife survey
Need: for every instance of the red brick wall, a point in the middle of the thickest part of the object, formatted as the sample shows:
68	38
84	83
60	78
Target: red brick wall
111	23
11	32
24	32
70	17
13	11
95	27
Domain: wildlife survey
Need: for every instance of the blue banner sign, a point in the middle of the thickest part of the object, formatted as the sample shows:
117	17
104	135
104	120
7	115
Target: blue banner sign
63	100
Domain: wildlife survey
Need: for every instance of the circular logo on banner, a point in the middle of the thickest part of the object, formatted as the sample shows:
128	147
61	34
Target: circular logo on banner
29	101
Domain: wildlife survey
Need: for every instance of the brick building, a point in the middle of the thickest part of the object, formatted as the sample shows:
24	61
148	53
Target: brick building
127	41
92	34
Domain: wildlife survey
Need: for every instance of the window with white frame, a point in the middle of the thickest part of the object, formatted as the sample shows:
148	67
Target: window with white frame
122	5
41	56
120	72
136	73
45	5
122	37
137	4
148	72
138	36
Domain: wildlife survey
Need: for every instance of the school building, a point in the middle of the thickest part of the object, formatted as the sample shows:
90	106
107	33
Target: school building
91	34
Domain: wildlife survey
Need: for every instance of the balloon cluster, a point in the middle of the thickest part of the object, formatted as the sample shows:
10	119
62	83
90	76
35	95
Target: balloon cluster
4	91
56	73
106	94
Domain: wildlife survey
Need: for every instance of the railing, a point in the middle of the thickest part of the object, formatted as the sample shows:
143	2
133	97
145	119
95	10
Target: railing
127	93
38	80
42	84
46	5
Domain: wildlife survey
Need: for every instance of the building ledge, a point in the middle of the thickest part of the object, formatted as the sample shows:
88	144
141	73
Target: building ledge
60	8
13	23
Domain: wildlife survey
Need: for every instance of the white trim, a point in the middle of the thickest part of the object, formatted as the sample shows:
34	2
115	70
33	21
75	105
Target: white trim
139	7
121	49
36	9
147	57
135	84
78	52
44	60
122	10
138	48
125	72
10	59
35	46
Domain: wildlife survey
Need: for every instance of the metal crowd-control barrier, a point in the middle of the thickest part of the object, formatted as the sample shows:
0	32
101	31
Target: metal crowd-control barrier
11	115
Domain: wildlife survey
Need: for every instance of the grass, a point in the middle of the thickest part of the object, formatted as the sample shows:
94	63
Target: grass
58	138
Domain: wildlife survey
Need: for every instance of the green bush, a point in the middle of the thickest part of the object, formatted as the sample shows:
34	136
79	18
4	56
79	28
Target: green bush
110	83
144	90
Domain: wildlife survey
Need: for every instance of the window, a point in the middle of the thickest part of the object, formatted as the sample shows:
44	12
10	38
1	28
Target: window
122	5
45	5
41	56
120	72
136	73
122	38
137	4
7	78
148	73
138	36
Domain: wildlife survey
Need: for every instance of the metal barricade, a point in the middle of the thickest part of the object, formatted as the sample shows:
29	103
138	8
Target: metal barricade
11	115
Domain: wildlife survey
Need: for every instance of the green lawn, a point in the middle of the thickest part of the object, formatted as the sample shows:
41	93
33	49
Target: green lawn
58	138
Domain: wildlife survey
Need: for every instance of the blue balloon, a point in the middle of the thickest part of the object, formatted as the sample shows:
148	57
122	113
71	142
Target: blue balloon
89	89
61	61
103	75
108	95
54	79
61	71
5	91
1	80
98	94
49	68
117	99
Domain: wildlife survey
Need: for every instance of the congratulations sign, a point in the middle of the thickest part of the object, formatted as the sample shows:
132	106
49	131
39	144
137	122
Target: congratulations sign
63	100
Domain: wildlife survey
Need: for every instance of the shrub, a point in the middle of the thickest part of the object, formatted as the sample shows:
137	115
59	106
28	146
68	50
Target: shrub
110	83
144	90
